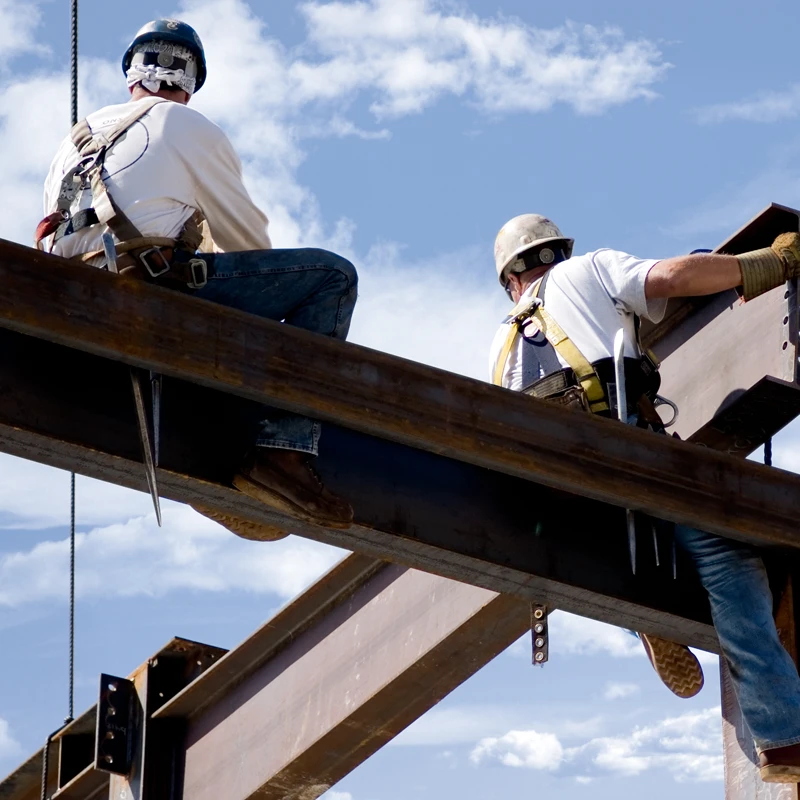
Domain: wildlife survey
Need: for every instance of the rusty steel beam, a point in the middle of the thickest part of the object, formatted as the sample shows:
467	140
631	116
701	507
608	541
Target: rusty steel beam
74	411
426	408
71	774
734	390
305	711
322	685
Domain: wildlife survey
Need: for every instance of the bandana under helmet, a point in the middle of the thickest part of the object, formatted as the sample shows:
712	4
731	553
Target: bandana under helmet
155	63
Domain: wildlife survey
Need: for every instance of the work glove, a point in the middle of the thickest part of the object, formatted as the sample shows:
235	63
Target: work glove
765	269
787	248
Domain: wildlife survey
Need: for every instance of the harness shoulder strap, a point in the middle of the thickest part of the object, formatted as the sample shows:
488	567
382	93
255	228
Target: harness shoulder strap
108	212
519	314
532	309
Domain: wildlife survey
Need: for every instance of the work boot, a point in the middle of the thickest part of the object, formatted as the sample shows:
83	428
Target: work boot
780	764
285	479
675	664
256	531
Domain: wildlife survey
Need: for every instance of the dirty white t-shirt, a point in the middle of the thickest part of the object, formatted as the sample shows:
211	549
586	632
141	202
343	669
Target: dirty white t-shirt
169	163
591	297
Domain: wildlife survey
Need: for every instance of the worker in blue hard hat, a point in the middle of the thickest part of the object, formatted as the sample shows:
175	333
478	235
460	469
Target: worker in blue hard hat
167	183
570	338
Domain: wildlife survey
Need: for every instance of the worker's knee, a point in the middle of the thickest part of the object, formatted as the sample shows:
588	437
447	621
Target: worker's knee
337	264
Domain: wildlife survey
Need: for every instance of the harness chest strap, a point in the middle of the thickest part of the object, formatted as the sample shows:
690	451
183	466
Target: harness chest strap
532	310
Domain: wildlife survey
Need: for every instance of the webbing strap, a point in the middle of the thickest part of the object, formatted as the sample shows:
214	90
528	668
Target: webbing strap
87	143
532	310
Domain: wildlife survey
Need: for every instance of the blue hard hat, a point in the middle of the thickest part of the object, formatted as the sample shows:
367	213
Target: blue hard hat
170	30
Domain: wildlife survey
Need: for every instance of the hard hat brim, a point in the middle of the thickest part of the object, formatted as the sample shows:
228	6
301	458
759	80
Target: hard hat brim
570	243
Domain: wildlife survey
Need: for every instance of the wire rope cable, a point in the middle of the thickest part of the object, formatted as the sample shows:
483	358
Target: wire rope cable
71	714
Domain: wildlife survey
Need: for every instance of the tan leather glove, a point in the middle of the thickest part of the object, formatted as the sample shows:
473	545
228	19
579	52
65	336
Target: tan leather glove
765	269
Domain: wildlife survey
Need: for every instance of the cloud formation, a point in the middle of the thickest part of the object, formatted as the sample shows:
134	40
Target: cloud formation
408	53
688	747
767	107
137	557
617	691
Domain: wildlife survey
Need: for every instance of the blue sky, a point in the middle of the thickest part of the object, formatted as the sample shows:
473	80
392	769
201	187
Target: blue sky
404	134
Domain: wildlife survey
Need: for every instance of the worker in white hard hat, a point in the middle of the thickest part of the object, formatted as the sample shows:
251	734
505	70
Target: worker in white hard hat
557	344
156	175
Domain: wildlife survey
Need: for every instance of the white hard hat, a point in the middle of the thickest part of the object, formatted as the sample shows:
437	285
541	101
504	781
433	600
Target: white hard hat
521	234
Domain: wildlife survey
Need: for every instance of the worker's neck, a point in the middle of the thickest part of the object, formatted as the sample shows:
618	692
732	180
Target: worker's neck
525	280
175	95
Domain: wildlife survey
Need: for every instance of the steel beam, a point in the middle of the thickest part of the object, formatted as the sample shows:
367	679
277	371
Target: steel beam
319	703
388	397
321	686
71	774
74	411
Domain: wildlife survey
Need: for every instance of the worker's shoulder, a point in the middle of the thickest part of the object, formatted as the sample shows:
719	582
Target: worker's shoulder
177	115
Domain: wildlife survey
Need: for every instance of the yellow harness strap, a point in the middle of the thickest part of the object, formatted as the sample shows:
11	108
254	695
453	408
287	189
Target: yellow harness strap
532	310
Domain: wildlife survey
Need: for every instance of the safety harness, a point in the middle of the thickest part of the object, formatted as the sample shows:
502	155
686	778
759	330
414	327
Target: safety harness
151	257
587	381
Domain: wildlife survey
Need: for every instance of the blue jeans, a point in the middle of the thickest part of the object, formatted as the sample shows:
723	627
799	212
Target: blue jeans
312	289
764	676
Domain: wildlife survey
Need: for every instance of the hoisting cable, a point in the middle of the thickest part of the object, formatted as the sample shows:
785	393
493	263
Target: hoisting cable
71	715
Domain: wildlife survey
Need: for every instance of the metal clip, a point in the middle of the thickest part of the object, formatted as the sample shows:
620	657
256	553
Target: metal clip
528	312
198	269
662	401
146	264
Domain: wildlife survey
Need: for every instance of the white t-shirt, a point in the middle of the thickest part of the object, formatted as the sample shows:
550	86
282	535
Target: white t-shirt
591	297
170	163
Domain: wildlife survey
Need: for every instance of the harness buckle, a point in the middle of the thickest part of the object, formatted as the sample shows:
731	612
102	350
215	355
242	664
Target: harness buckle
527	312
198	273
153	273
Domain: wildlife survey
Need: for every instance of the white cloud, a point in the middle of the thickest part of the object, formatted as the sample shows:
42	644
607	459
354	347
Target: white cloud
408	53
138	558
766	107
18	29
9	747
616	691
528	749
583	636
332	795
688	747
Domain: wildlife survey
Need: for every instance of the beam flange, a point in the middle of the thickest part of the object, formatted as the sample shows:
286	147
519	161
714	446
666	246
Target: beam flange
388	397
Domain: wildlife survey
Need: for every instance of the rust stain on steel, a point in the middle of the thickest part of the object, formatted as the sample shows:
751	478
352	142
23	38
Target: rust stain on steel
421	407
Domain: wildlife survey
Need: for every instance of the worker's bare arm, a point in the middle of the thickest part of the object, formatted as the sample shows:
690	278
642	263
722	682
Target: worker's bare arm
692	276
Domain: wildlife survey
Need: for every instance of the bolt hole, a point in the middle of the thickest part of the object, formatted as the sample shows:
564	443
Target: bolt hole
112	687
109	759
112	712
785	345
109	734
786	320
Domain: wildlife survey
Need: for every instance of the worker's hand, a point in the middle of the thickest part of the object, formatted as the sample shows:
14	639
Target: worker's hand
787	248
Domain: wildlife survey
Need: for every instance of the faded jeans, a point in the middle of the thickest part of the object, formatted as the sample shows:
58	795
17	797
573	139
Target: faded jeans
309	288
764	676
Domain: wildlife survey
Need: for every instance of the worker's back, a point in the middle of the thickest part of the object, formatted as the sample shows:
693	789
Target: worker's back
170	163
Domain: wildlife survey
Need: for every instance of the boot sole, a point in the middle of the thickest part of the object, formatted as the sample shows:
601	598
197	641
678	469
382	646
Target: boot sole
244	528
677	666
775	773
271	498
